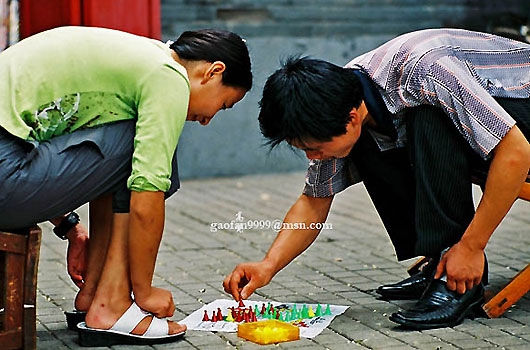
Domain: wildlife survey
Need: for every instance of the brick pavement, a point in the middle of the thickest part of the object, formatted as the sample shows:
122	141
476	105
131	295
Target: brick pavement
343	267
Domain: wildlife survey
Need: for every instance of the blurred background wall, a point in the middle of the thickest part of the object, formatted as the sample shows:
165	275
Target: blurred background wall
8	23
334	30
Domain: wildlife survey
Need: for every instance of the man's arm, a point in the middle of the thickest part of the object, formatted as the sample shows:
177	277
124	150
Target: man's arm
247	277
146	224
464	262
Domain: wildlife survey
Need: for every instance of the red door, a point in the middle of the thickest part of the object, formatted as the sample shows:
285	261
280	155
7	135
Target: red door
141	17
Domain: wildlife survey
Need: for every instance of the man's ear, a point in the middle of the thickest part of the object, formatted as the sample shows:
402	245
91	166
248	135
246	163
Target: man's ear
355	117
215	69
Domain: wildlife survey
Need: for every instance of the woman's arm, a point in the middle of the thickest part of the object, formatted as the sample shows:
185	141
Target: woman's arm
77	252
146	224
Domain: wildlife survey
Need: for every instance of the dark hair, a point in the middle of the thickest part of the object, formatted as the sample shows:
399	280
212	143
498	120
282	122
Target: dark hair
308	99
218	45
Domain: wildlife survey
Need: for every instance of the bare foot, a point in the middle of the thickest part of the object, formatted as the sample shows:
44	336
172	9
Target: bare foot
102	316
83	300
174	327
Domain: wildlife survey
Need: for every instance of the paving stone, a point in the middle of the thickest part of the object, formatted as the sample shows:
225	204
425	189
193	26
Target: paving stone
50	344
417	339
347	346
216	347
343	267
518	347
200	339
506	341
455	336
331	338
395	347
302	343
431	345
522	330
471	343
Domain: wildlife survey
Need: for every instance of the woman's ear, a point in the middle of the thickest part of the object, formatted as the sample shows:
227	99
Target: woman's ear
215	69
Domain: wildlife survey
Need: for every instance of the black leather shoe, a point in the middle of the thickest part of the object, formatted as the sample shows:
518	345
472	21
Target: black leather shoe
439	307
411	287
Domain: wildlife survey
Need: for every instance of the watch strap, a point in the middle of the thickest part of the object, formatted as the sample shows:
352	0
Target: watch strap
68	222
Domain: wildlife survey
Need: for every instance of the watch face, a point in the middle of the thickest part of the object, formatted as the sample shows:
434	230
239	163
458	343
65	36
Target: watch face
66	225
73	218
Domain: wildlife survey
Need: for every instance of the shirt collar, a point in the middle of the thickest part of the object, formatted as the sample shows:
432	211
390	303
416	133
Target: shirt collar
375	105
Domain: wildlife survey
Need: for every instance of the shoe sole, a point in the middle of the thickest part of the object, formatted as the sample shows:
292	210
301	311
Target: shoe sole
472	309
90	337
73	318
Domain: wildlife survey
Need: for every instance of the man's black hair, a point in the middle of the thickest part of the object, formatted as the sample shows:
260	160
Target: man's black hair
218	45
308	99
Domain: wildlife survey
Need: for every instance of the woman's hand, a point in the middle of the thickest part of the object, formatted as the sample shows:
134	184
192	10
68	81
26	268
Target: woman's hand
77	254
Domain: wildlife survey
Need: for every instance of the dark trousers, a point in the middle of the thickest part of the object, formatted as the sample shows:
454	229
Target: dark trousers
40	181
423	192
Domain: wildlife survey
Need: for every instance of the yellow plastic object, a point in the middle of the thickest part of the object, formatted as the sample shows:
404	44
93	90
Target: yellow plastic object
268	332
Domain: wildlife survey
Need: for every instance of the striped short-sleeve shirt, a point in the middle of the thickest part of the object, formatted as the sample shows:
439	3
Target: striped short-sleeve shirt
457	70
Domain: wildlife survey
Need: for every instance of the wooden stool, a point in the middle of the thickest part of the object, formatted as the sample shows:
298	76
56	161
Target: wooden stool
513	291
19	258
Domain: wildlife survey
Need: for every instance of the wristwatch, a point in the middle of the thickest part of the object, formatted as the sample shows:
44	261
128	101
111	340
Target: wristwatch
66	225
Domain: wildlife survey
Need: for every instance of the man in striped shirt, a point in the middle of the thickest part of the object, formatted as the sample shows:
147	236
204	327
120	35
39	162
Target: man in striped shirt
435	108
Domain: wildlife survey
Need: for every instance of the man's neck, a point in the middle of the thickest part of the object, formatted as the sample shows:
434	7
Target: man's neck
367	119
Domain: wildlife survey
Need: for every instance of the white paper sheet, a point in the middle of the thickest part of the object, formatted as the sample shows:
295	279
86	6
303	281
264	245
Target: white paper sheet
312	326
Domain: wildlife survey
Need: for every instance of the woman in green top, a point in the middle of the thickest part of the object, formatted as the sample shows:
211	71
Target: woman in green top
94	115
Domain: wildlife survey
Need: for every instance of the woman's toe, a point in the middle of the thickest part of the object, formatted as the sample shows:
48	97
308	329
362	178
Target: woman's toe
175	328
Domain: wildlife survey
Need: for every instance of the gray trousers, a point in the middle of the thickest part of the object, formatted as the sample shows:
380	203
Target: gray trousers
44	180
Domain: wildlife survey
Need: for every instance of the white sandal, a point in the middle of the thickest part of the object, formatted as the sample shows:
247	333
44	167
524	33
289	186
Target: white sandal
120	333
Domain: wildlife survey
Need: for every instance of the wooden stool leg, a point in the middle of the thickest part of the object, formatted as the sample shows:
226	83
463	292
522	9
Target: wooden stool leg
519	286
12	335
3	286
19	262
30	288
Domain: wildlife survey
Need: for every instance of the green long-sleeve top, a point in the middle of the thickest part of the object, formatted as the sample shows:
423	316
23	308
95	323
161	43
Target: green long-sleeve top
70	78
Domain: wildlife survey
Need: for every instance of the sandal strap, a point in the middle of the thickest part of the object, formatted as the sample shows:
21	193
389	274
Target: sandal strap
158	327
130	319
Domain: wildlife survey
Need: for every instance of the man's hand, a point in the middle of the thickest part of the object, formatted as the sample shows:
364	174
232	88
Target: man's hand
289	243
463	265
159	302
77	254
464	262
247	277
